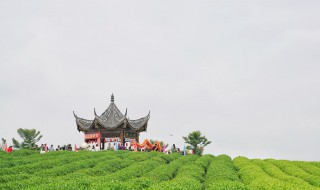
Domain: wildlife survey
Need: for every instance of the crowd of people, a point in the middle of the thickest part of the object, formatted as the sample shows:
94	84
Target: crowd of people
95	147
44	148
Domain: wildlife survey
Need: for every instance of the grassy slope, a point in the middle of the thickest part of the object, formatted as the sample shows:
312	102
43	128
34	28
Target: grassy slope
141	170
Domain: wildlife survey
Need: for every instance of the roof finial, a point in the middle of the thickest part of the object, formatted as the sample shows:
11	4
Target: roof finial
112	97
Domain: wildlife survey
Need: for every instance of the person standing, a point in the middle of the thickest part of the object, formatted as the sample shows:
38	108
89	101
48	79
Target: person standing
97	147
51	148
9	149
43	150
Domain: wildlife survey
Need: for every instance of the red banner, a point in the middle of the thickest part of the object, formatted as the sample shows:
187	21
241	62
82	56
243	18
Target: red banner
95	135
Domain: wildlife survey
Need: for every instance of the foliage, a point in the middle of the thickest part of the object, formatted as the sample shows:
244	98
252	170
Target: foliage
222	168
29	136
260	174
27	169
4	141
226	185
196	142
15	143
294	170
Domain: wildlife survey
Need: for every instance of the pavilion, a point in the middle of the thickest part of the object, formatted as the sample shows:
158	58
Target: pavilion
112	127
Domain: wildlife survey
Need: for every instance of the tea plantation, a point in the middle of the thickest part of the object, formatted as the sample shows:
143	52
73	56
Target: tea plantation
152	170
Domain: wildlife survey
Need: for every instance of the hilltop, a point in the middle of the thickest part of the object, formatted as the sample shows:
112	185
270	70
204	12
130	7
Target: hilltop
152	170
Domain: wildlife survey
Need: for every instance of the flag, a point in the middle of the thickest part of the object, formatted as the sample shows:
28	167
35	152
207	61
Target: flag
5	147
75	148
184	150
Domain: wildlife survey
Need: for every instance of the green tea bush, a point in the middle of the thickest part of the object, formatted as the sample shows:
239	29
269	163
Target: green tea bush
151	170
222	174
24	152
248	171
179	183
277	173
316	164
14	177
256	178
138	169
170	157
204	161
191	171
308	167
293	170
222	168
226	185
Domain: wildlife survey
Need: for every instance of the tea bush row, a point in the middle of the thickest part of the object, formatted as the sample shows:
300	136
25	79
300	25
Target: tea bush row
292	169
115	169
222	175
256	178
277	173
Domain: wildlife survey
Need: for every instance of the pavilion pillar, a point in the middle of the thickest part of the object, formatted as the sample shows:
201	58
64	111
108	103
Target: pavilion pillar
122	137
102	144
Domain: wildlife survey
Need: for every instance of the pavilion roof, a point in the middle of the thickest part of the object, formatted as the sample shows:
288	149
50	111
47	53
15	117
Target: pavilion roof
111	118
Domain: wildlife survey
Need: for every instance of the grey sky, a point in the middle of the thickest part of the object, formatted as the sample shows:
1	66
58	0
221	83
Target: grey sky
245	73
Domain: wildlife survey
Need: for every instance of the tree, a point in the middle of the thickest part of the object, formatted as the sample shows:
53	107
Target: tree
29	137
196	142
4	141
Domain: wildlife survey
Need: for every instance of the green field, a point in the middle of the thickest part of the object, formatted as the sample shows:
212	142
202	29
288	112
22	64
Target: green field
151	170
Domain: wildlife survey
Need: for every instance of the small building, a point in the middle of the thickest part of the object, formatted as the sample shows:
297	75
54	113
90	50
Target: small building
112	127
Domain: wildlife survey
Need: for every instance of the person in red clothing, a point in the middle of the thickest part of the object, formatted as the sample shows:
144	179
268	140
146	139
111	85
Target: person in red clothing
9	149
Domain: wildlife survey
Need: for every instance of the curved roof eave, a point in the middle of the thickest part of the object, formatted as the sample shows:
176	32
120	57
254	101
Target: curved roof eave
80	121
138	123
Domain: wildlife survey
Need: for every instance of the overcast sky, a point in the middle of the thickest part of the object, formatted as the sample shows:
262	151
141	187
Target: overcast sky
244	73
